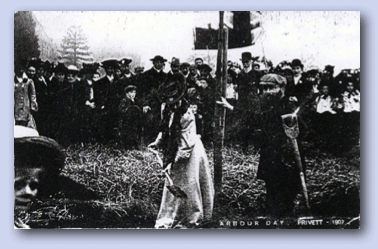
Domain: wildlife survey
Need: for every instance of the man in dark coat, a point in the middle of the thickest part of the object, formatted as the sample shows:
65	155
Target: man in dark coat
247	82
87	103
152	80
175	67
277	167
107	94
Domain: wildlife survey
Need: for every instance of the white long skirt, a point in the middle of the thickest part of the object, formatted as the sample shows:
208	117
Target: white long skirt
194	178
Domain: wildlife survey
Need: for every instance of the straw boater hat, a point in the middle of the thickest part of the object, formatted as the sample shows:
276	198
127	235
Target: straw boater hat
173	89
72	69
32	150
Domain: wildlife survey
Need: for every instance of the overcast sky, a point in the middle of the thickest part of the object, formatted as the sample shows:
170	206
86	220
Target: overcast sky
318	38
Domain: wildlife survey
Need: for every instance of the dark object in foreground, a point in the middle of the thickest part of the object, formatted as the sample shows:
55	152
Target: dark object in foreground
176	191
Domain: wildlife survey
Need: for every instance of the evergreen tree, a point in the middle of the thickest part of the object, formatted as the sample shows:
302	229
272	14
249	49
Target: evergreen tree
25	38
74	47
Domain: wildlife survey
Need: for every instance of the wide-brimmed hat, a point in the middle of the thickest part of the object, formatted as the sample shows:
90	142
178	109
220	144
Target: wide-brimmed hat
296	63
110	63
246	56
204	67
272	79
158	58
125	61
173	89
32	150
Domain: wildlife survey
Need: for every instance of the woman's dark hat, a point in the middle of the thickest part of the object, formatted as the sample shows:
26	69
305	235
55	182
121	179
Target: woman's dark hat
60	68
173	89
125	61
110	63
204	67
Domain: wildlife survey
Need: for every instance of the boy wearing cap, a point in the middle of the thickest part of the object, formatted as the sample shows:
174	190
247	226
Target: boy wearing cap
277	164
129	125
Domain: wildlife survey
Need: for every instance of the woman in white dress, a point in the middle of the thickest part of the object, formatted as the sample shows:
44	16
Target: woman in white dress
186	160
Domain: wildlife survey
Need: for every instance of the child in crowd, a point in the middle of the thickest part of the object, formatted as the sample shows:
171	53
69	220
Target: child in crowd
130	119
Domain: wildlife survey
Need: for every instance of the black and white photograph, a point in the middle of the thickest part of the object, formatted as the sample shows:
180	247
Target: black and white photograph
187	119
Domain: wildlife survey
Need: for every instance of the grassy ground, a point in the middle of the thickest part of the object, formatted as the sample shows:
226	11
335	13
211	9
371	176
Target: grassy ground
107	187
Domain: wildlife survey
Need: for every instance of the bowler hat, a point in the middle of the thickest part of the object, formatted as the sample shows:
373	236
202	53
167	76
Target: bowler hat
246	56
173	89
329	68
158	58
175	61
296	63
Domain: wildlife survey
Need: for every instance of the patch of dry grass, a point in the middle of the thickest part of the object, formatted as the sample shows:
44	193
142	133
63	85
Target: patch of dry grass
129	185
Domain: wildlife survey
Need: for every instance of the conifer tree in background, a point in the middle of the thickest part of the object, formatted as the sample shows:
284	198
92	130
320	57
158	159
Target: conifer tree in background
25	38
74	48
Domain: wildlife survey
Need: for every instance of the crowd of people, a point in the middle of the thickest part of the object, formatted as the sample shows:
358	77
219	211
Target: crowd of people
105	101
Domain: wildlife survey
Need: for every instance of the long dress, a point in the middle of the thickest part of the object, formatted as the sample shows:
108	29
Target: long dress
190	172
